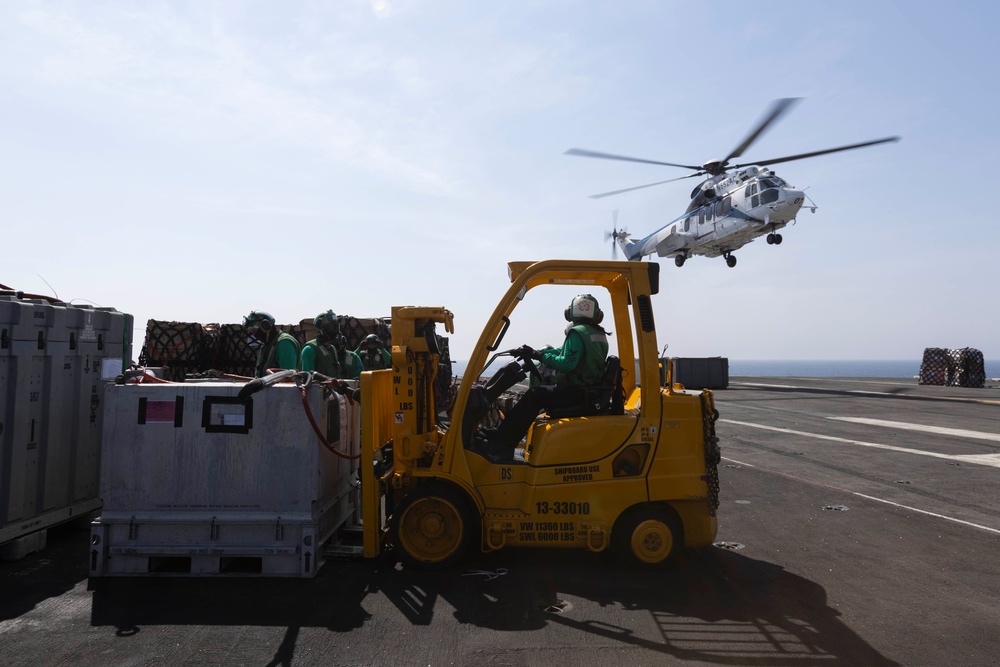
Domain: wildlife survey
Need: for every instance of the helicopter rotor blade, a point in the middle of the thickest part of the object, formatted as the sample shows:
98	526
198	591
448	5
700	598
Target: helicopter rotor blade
802	156
608	156
777	110
640	187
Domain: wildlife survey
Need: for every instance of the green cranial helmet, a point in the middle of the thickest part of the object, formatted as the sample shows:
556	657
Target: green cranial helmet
328	326
584	308
371	342
258	323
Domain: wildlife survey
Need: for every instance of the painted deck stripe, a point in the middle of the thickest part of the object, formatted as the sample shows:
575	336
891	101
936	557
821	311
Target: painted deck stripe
979	435
867	497
992	460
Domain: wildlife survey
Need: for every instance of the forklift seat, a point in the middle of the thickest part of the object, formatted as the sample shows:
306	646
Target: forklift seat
607	397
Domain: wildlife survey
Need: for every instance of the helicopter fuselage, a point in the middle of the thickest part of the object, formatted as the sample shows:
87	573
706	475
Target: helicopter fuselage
733	206
726	212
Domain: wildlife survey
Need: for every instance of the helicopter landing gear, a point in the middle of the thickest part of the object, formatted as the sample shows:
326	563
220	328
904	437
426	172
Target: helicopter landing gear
679	260
730	259
774	239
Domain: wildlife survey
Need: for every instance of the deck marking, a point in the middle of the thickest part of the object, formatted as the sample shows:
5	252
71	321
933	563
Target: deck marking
979	435
977	459
862	392
866	496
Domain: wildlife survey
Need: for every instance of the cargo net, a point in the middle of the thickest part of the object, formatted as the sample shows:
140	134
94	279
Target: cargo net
964	367
180	346
969	368
233	353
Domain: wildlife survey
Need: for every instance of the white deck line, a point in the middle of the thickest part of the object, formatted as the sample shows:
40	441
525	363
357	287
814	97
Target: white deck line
963	433
992	460
889	502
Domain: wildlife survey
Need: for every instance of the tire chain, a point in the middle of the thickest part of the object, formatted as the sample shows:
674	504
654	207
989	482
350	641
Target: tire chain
713	453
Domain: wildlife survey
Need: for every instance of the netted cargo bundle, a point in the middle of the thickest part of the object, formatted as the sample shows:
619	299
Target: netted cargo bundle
184	347
190	348
307	331
968	368
300	332
234	354
356	329
936	366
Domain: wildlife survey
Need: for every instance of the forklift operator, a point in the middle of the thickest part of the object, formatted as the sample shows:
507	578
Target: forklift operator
579	364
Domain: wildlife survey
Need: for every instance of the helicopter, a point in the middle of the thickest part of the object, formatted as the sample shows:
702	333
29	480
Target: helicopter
733	206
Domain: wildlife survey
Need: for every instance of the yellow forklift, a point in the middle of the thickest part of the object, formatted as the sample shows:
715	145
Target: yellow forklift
633	469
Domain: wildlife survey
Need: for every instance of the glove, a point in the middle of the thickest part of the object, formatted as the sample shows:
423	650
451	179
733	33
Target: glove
538	355
524	352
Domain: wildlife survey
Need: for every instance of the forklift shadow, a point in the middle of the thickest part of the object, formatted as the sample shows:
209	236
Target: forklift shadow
713	606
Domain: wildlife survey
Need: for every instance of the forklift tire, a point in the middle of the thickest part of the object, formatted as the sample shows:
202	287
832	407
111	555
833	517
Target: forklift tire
648	536
432	527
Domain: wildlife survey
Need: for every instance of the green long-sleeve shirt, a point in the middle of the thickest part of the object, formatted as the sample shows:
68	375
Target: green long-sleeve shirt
282	352
582	357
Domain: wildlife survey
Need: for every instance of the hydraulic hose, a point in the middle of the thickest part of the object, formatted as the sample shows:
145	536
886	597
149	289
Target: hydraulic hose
307	379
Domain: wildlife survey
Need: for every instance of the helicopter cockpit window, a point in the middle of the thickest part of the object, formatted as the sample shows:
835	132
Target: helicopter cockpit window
746	193
771	182
769	196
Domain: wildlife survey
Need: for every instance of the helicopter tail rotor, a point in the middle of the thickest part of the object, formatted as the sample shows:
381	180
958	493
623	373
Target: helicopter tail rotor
615	234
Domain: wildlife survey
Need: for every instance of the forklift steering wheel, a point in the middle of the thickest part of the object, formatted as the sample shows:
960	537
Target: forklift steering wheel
530	366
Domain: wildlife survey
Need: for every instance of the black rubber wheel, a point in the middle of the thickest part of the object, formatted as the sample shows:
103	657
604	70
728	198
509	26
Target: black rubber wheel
648	536
731	261
679	260
432	527
770	239
777	239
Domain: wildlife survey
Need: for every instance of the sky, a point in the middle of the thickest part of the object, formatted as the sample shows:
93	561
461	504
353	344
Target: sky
194	161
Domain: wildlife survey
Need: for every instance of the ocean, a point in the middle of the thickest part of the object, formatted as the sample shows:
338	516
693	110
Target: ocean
893	368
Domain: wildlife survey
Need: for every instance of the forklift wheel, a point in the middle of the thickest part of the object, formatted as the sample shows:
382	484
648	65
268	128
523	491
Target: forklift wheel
648	536
432	527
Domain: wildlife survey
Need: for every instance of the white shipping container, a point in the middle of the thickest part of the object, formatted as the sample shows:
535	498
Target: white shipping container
54	360
196	482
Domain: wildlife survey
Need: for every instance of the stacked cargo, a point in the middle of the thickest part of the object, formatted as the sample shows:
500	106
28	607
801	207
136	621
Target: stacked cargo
187	349
963	367
190	348
54	360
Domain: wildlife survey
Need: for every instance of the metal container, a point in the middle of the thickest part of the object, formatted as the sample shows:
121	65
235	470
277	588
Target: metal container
50	382
702	373
196	482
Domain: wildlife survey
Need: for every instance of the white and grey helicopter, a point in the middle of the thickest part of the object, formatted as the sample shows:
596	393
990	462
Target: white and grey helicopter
733	206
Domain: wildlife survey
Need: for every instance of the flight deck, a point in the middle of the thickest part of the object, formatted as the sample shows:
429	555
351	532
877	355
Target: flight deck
859	525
